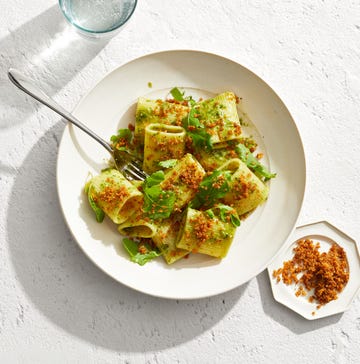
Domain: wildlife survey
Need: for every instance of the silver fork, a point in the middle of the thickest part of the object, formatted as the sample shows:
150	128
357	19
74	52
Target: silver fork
125	162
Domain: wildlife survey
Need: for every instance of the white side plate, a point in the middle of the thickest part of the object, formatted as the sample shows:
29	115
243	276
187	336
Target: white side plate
326	234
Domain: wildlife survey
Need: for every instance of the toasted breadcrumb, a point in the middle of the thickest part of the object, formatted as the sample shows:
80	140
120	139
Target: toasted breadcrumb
324	273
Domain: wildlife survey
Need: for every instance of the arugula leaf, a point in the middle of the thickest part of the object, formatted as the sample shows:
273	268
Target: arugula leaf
177	94
99	213
122	139
212	188
235	220
180	96
260	170
200	139
196	131
193	122
253	163
210	213
169	163
154	179
158	204
139	253
225	211
194	128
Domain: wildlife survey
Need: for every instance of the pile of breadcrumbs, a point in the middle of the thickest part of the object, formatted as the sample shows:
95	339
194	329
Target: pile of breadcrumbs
325	273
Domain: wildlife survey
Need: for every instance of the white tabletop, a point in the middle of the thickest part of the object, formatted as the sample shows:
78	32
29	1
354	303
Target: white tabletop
55	305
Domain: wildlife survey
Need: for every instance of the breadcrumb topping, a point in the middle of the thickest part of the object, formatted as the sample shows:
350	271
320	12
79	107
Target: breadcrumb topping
112	194
201	227
325	274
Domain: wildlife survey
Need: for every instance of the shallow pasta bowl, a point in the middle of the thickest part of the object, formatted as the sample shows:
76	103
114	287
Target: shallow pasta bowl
111	105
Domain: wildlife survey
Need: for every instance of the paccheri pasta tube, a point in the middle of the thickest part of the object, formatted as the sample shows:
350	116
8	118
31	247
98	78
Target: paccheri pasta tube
162	142
246	190
138	225
183	180
204	232
114	194
214	158
219	117
165	239
157	112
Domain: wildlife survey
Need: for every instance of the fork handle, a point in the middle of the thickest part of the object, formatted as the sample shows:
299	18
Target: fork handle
27	85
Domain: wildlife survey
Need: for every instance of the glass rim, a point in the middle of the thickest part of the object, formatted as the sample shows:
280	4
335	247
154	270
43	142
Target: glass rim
119	25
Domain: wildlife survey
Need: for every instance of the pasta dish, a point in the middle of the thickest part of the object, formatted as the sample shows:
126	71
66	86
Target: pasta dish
204	178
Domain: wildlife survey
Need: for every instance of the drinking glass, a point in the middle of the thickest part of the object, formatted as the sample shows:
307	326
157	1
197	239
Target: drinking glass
98	17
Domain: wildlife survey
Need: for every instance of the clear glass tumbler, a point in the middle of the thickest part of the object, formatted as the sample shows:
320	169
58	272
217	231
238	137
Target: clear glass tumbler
98	17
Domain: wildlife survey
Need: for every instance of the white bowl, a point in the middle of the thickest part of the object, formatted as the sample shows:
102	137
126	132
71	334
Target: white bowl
111	105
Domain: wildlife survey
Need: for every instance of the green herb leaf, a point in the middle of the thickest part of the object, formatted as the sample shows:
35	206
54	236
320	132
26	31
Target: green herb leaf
122	139
225	211
158	204
99	213
194	128
210	213
123	133
253	163
200	139
177	94
154	179
170	163
180	96
212	188
196	131
193	121
260	170
235	220
136	256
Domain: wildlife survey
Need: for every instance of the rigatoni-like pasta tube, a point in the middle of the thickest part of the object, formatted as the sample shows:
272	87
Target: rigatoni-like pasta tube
213	159
157	111
246	190
115	195
162	142
183	180
165	239
138	225
204	233
220	117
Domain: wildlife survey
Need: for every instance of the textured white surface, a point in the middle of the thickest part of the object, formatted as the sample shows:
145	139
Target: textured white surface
55	305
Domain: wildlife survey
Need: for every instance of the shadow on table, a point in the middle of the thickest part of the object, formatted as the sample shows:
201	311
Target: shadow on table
286	317
48	50
74	294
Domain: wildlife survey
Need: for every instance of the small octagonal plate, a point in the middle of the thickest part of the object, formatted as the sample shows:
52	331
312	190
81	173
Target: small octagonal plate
326	234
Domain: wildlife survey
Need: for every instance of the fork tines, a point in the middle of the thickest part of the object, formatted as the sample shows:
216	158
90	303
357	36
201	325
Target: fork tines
133	172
